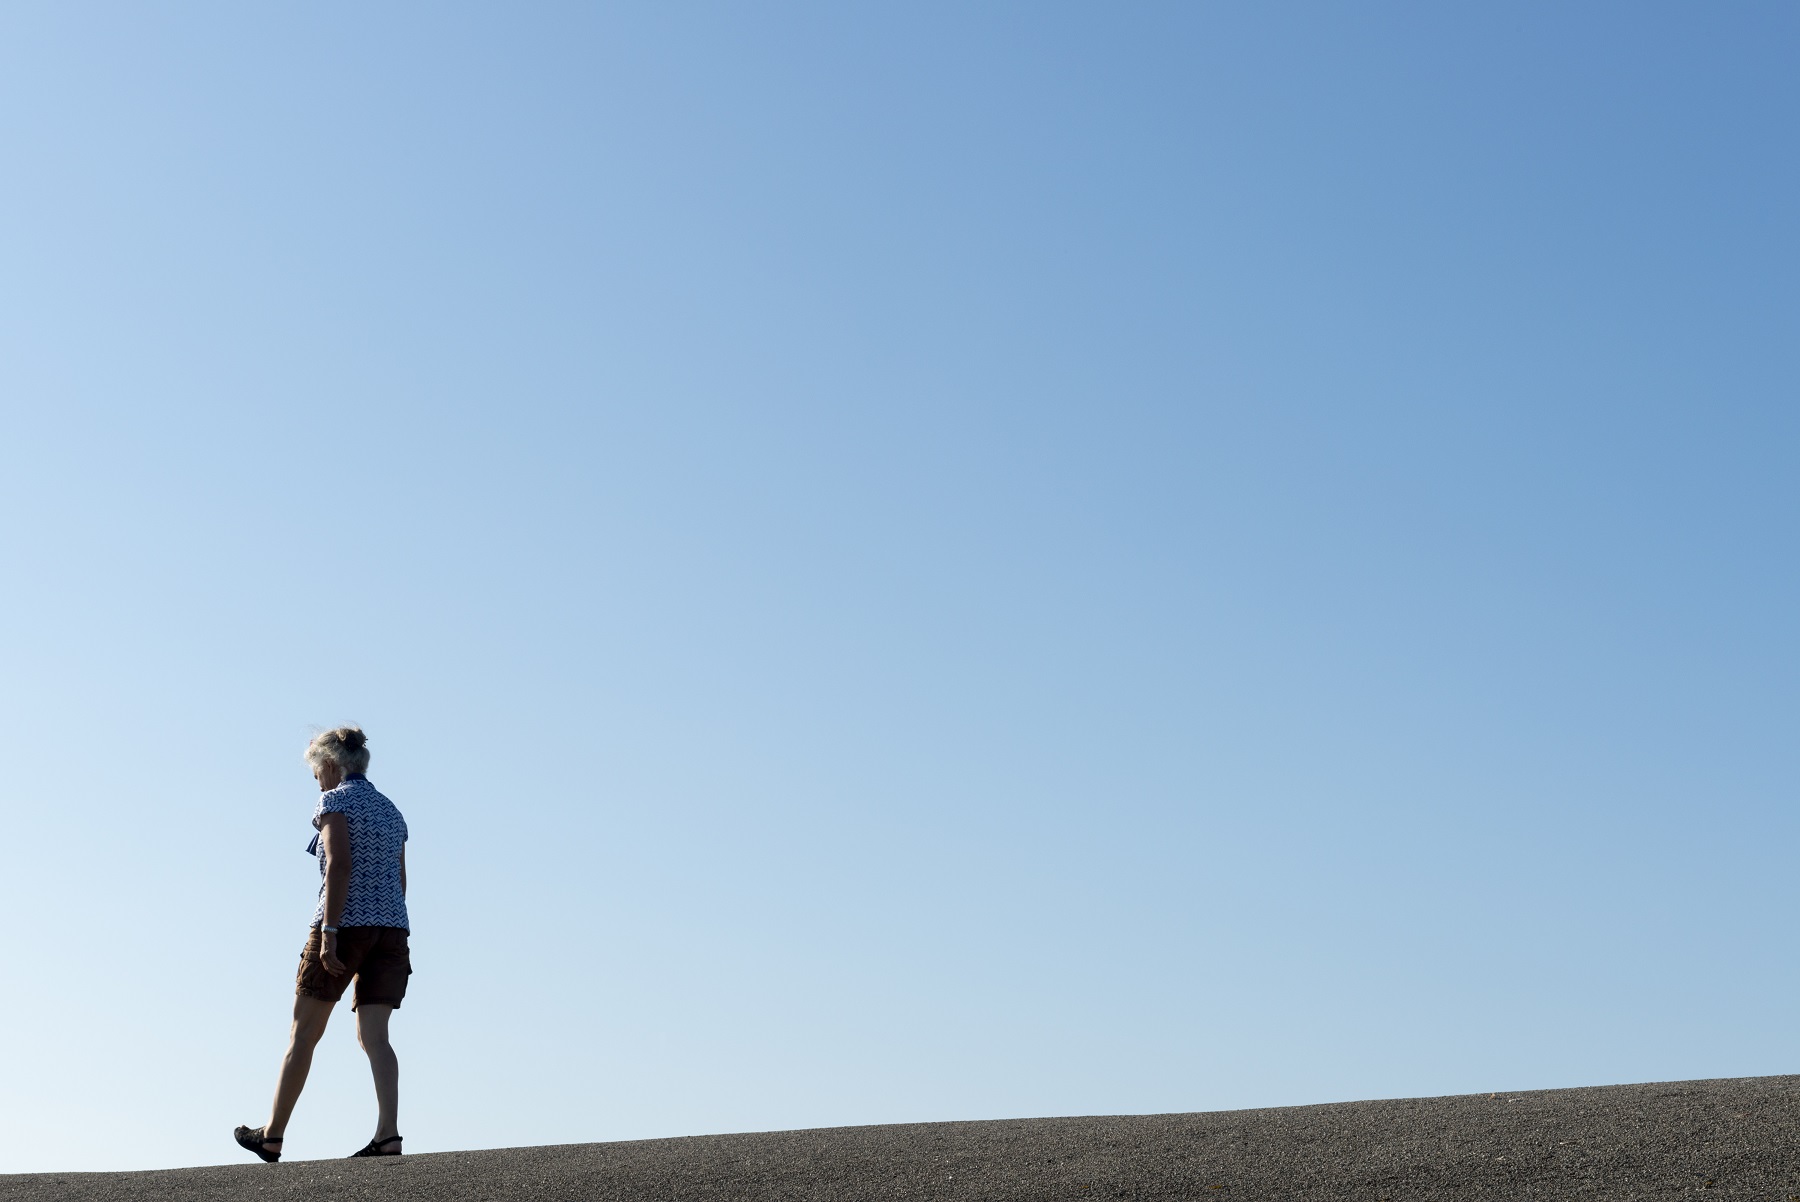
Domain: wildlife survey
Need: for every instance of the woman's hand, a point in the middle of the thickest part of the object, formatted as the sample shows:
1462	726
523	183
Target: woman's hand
328	953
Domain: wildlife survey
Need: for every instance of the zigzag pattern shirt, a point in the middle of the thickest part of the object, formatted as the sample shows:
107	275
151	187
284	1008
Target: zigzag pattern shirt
377	837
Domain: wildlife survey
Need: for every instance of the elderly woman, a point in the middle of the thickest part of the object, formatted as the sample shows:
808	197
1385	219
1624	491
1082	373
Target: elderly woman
358	932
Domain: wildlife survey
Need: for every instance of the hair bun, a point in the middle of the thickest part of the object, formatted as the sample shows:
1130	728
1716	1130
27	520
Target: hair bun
353	739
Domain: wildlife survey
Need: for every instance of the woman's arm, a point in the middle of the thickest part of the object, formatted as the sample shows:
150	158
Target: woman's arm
334	845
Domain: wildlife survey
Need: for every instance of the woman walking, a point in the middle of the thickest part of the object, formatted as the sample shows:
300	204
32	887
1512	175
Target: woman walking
358	932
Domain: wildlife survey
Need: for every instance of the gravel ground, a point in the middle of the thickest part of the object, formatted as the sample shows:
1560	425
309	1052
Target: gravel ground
1713	1139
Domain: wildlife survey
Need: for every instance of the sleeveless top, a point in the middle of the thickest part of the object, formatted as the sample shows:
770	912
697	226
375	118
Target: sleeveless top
377	836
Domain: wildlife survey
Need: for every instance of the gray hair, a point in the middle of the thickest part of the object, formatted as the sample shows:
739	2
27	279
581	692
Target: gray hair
347	747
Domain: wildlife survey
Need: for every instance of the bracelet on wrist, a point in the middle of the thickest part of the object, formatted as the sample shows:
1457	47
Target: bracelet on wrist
323	928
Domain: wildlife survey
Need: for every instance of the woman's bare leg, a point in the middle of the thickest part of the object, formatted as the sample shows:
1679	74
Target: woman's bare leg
310	1016
372	1034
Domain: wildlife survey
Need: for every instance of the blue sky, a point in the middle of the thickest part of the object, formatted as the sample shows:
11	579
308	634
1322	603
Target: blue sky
929	563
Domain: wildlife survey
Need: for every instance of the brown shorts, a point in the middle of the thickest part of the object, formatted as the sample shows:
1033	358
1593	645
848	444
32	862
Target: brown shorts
376	956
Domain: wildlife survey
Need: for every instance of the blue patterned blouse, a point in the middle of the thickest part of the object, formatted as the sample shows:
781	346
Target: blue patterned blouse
377	837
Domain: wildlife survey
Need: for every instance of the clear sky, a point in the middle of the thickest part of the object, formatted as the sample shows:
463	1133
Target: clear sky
903	562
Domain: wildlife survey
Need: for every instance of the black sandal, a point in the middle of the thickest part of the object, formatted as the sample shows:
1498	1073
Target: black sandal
253	1139
375	1147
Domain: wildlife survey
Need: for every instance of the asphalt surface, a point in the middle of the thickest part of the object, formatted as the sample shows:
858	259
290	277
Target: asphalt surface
1703	1139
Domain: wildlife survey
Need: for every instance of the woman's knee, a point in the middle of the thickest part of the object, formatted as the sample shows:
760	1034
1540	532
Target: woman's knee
372	1036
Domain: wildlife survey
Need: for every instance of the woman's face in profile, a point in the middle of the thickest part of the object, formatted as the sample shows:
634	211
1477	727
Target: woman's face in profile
329	776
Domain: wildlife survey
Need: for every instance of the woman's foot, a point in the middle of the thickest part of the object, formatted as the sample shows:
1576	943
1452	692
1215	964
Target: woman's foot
253	1139
380	1147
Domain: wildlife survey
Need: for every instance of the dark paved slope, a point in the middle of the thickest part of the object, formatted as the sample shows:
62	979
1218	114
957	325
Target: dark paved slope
1700	1139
